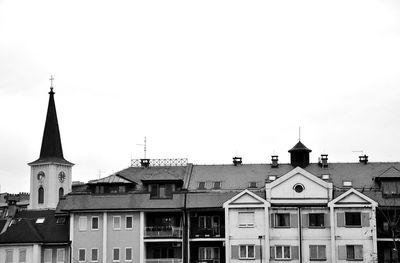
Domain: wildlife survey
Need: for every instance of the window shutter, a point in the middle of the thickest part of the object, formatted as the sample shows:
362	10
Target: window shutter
272	220
365	219
304	219
293	220
327	220
235	252
342	252
340	219
358	251
294	252
272	252
257	252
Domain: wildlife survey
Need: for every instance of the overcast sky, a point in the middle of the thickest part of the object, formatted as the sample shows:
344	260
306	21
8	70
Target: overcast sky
204	80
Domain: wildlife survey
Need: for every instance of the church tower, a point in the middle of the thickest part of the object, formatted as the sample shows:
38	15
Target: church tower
51	175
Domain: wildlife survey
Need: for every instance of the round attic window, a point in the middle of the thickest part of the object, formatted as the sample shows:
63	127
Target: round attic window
298	188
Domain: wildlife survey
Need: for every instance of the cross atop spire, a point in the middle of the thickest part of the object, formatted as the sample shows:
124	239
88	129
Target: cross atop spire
51	85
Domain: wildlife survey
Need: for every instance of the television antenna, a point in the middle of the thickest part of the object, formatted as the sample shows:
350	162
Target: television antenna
144	146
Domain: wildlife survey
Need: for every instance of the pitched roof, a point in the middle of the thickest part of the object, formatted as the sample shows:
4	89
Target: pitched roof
391	172
25	229
299	147
158	173
51	150
111	179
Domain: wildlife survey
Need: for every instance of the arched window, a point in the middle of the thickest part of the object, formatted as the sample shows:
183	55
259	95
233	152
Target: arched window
41	195
60	193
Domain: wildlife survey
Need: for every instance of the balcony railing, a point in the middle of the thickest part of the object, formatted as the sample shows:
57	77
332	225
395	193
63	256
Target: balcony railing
164	260
163	231
214	260
208	232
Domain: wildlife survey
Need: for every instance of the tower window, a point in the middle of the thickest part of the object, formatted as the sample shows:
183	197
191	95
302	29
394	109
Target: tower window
60	192
41	195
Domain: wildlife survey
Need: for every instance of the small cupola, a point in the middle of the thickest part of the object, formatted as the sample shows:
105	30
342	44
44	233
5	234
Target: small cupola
300	155
274	161
237	160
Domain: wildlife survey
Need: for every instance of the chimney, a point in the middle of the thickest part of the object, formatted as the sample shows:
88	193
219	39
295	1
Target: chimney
363	159
237	160
12	200
274	161
145	162
323	160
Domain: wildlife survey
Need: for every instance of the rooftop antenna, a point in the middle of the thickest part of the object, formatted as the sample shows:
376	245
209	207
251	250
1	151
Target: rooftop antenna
100	173
144	146
360	151
299	133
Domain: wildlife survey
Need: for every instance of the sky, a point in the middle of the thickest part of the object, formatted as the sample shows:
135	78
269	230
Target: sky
203	80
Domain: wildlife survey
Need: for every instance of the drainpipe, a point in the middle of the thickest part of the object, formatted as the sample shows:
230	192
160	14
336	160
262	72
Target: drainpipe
300	237
261	255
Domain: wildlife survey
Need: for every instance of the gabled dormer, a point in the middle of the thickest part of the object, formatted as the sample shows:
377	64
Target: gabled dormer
112	184
389	182
299	187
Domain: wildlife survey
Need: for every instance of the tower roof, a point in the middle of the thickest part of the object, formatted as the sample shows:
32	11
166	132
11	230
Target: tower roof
299	147
51	150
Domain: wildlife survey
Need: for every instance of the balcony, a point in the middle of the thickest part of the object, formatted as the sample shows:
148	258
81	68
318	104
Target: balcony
163	232
164	260
210	232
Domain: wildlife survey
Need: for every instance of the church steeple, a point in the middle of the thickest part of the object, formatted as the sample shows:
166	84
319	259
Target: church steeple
51	150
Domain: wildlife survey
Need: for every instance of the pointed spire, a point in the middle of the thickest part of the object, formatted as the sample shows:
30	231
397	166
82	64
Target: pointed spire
51	150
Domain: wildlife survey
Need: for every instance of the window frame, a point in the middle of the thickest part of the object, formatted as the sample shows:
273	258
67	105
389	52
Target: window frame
80	226
9	252
318	258
276	220
247	224
126	222
113	254
316	215
347	224
282	248
50	251
355	258
131	249
63	255
19	254
217	185
247	251
97	254
79	254
98	223
202	251
117	228
201	185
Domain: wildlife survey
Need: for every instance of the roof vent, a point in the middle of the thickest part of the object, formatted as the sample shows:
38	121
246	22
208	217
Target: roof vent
363	159
237	161
323	160
145	162
274	161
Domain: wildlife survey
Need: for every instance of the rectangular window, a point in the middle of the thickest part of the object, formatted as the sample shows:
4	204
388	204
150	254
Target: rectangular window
317	252
272	177
95	254
353	219
354	252
252	184
82	255
115	254
116	222
316	220
282	220
347	183
128	222
161	191
9	255
47	256
325	177
208	253
282	252
217	185
202	185
246	219
128	254
60	255
82	223
246	252
22	255
95	223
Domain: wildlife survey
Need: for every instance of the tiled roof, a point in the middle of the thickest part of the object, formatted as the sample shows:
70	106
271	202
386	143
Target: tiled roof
111	179
391	172
212	199
138	174
25	229
299	147
137	201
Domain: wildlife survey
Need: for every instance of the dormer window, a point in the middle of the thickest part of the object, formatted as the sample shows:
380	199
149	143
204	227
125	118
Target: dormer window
272	177
40	220
217	185
347	183
201	186
161	191
325	177
253	185
390	188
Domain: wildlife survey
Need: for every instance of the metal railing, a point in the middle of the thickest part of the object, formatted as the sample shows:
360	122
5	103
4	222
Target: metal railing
208	232
163	231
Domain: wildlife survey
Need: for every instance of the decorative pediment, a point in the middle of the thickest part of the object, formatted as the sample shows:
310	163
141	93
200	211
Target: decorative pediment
246	198
352	197
299	187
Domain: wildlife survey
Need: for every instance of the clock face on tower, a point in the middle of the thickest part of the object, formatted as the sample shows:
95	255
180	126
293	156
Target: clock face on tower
41	176
61	176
